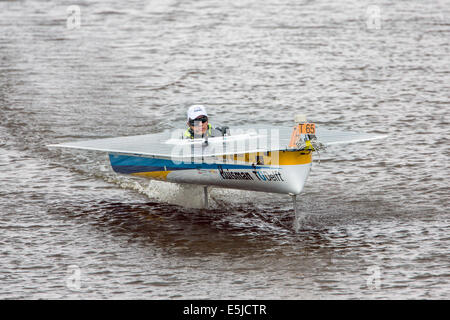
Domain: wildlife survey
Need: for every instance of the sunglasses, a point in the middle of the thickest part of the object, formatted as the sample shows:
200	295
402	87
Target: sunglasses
202	119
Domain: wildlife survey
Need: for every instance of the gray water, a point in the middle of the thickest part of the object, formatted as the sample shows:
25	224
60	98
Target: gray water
376	219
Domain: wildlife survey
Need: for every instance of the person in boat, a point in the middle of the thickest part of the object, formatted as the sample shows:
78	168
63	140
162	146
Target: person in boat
199	127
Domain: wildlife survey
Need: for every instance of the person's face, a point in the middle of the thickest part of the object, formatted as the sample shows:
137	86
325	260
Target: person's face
199	125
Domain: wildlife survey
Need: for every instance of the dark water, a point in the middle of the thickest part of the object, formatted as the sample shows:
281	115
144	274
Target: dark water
377	219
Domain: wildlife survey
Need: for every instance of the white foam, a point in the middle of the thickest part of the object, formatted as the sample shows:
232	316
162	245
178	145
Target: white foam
185	195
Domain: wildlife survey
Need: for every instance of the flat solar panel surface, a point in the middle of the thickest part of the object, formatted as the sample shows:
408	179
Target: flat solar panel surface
241	140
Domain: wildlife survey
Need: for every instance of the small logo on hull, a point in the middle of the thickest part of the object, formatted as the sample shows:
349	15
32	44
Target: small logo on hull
260	175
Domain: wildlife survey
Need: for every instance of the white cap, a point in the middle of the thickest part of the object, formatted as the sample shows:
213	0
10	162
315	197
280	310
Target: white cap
300	118
195	111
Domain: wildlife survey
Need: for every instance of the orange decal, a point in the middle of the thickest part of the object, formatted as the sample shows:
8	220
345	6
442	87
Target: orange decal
301	128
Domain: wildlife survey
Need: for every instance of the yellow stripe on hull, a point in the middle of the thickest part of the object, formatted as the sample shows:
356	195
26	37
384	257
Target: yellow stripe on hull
294	157
265	159
157	175
274	158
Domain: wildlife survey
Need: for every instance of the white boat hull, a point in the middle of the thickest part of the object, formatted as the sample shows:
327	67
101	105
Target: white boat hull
287	175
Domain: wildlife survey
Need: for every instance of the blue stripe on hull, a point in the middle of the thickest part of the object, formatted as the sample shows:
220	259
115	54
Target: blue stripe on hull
134	164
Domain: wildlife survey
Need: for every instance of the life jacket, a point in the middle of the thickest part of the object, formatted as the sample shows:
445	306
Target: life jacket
189	133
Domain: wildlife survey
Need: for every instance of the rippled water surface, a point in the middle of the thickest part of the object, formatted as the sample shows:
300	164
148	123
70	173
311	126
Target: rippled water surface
376	219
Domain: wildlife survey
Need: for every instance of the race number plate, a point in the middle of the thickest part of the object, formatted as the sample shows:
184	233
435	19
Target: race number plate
301	128
306	128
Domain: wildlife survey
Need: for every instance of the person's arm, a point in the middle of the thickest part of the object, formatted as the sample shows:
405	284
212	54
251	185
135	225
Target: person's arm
223	130
219	131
